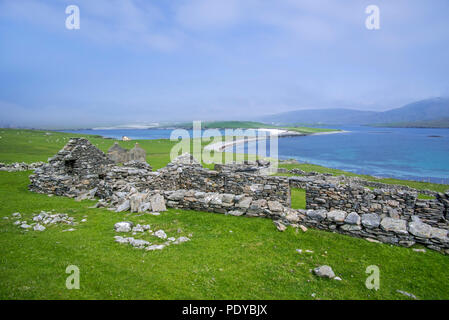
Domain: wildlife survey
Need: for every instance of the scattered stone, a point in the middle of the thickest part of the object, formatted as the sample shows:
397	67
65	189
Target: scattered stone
125	206
155	247
337	278
372	240
324	272
419	250
181	240
303	228
410	295
137	243
38	227
279	225
160	234
124	226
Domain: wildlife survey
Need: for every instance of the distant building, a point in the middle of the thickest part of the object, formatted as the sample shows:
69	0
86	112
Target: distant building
118	154
121	155
125	138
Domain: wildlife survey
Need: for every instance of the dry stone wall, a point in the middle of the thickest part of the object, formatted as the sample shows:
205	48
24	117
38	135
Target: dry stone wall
393	202
389	215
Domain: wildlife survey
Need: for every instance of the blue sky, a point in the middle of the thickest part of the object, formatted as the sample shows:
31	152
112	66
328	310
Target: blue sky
143	61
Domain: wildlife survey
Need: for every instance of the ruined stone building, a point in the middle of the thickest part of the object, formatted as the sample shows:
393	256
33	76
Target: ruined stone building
389	213
121	155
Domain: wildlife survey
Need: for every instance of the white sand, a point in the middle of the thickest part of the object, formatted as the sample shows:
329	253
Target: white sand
220	146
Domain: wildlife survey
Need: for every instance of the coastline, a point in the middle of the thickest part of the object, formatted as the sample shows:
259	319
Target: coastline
223	145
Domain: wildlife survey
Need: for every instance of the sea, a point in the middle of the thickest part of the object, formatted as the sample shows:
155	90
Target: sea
420	154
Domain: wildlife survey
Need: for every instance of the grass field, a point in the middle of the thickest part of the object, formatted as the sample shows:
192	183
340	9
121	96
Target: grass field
228	257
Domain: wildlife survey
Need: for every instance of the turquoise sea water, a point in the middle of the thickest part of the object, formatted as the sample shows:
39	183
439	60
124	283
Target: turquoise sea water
405	153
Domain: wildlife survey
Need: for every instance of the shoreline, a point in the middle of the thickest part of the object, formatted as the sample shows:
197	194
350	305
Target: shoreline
223	145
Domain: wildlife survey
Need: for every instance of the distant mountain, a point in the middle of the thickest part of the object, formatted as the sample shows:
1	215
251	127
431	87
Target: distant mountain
430	109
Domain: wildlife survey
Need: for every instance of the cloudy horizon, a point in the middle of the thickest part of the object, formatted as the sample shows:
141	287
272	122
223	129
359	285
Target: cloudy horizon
135	61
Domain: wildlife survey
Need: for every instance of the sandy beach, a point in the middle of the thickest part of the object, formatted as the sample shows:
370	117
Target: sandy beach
221	146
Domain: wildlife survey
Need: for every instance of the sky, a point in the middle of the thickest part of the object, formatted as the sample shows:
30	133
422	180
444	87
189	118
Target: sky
143	61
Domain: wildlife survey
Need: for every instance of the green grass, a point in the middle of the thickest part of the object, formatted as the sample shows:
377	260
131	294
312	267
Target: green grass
419	185
298	197
254	261
35	145
308	130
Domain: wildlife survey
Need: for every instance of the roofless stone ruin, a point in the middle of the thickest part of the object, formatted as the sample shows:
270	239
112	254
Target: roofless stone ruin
390	214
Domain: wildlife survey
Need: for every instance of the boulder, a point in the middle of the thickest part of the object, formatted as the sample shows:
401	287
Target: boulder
317	214
324	272
235	213
370	220
353	218
157	203
336	215
177	195
135	201
275	206
279	225
351	227
155	247
181	240
439	234
124	226
244	203
419	229
160	234
124	206
38	227
394	225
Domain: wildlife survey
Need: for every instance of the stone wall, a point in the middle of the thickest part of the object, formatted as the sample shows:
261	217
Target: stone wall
80	166
389	215
372	226
397	231
393	202
20	166
181	176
